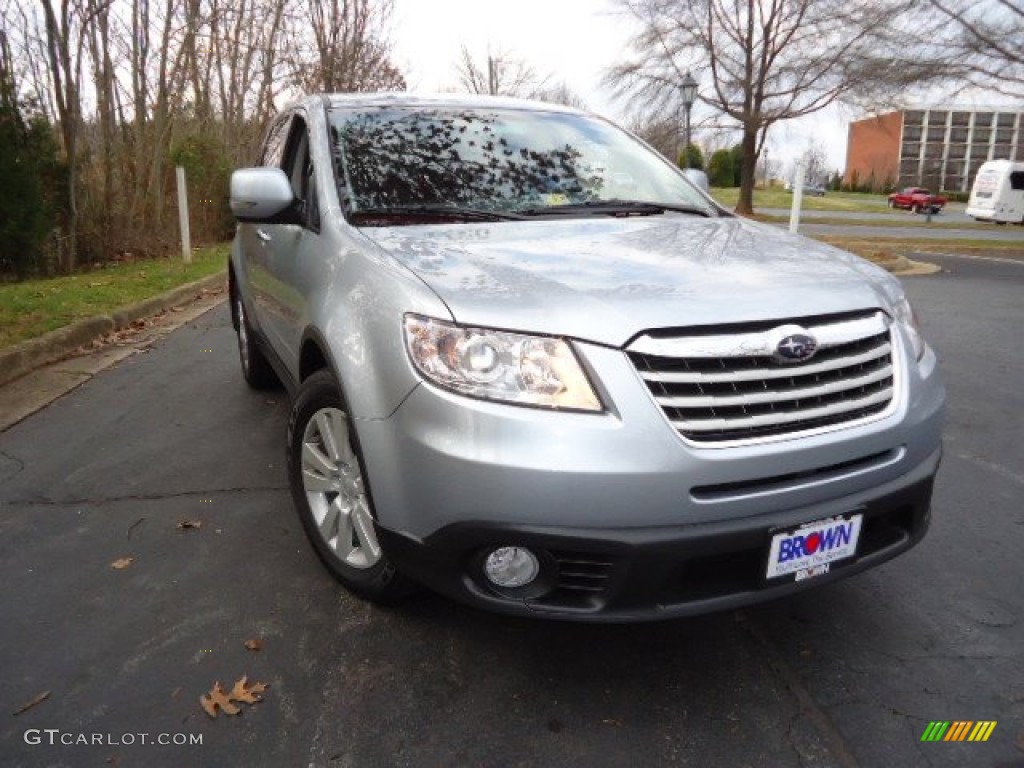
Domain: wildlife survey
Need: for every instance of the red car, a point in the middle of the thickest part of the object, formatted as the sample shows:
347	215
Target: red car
917	199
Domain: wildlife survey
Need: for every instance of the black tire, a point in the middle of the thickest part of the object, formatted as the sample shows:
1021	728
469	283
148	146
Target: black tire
369	574
256	370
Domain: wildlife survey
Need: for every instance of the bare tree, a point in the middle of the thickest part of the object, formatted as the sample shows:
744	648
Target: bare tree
98	41
986	37
661	133
501	75
765	61
560	93
352	52
65	36
816	166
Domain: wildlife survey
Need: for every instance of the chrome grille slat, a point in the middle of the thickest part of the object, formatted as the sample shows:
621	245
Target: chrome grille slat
724	388
785	395
702	377
784	417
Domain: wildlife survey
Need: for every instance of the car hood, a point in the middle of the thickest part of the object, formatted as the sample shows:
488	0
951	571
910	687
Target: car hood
607	279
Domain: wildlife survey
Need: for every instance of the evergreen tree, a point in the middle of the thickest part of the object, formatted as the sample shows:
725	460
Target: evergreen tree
27	163
737	164
691	157
721	172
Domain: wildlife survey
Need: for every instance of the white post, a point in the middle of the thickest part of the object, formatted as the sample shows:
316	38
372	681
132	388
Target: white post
186	240
798	194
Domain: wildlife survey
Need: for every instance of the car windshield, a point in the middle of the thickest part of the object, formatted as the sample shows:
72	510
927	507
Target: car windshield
500	163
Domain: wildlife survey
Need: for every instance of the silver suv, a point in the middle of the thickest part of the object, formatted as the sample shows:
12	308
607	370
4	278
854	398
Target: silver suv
538	370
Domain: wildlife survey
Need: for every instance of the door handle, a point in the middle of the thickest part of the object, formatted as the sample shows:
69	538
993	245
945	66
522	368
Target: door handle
263	235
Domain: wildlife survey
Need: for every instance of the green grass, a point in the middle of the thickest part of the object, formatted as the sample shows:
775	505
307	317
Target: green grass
885	247
34	307
777	197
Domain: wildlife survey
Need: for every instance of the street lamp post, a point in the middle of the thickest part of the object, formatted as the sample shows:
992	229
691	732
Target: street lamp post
688	92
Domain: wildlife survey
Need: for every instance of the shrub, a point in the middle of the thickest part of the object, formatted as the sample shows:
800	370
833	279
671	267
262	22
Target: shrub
720	169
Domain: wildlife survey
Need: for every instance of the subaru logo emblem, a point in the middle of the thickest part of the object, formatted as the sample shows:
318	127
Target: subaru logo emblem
796	348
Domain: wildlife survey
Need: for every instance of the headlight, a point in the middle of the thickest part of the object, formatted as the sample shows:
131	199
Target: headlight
496	365
908	319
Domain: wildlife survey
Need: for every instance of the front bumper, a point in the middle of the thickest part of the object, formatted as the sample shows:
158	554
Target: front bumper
631	574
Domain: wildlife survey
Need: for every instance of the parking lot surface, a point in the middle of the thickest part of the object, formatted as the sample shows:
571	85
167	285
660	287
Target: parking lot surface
850	675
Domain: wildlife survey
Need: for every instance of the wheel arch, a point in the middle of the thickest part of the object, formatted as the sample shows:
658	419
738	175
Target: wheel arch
313	356
232	293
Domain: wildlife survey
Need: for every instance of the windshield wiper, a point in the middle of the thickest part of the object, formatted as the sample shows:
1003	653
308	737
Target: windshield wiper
437	211
614	208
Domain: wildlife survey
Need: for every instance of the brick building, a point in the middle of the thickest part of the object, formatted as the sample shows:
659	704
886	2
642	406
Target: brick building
939	148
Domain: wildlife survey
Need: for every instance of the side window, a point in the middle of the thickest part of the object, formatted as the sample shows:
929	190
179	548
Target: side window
273	147
298	166
1017	180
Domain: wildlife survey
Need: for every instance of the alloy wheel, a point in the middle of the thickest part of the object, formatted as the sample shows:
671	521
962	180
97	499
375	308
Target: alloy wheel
333	482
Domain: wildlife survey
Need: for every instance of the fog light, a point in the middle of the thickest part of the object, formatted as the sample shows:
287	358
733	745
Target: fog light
511	567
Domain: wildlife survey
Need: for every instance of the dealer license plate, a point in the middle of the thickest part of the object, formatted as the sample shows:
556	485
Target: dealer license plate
810	549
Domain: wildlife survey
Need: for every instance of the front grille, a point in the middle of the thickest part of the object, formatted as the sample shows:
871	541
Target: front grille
731	387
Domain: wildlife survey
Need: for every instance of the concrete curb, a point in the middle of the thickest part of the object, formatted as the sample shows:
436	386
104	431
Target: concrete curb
901	266
21	358
914	268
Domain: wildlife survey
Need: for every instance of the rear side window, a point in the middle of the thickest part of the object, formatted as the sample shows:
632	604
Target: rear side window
273	147
1017	180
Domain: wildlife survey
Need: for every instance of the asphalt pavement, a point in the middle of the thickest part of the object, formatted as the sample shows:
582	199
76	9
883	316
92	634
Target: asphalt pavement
849	675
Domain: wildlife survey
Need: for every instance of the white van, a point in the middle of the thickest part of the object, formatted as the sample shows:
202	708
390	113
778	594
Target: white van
998	193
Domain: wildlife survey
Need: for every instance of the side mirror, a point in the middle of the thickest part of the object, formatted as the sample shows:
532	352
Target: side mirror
261	194
698	178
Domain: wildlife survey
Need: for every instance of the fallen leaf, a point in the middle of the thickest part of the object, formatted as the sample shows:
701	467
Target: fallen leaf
121	563
250	694
190	525
217	698
254	645
29	704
